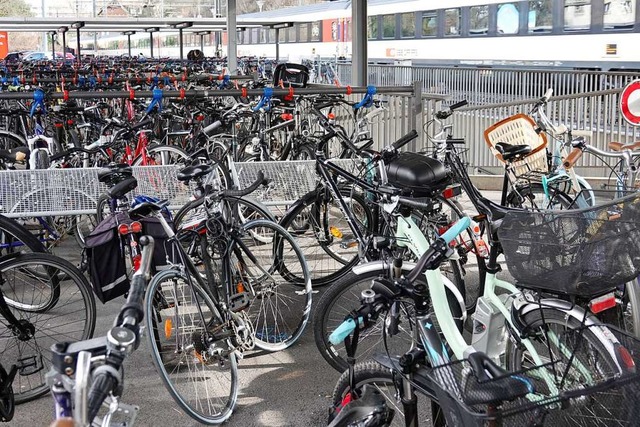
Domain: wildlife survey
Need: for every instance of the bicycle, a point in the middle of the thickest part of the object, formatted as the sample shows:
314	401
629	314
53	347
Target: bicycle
584	359
205	320
85	374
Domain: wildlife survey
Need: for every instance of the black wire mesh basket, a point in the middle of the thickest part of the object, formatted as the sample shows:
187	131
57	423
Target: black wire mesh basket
581	252
565	392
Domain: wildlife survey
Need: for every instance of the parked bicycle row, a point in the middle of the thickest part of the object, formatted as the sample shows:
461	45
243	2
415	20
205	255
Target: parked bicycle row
411	294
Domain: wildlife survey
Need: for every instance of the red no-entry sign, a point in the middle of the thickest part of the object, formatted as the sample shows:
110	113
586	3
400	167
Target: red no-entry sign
630	103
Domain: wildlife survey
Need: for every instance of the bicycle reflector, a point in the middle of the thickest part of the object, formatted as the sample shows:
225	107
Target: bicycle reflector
600	304
134	227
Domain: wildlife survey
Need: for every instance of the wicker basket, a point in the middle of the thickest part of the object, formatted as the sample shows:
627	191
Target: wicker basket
519	130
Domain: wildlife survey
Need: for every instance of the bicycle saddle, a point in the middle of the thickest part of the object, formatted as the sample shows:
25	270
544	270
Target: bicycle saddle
114	173
510	152
123	187
195	171
17	154
490	384
145	209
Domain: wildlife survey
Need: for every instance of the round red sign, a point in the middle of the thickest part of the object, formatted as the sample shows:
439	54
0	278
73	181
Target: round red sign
630	103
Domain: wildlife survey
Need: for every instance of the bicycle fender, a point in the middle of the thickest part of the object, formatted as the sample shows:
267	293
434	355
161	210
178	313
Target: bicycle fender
604	335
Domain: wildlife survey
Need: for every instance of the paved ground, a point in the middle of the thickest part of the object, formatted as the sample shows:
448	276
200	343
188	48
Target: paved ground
289	388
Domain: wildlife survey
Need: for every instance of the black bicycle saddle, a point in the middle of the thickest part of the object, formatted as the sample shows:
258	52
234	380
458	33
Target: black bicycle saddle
510	152
114	173
195	171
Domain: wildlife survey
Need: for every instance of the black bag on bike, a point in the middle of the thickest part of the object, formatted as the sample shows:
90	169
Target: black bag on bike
151	227
105	261
294	75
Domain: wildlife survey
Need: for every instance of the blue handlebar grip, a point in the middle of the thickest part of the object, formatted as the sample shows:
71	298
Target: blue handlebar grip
457	228
343	331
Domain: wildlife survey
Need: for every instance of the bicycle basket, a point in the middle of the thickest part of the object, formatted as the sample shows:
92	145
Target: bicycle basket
519	130
582	252
563	394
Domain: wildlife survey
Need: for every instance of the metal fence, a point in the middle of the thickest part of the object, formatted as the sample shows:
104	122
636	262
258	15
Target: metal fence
490	85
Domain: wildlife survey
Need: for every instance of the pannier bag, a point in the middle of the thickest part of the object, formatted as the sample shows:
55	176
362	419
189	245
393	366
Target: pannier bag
105	261
294	75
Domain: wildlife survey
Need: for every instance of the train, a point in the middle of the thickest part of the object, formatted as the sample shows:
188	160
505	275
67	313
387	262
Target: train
564	34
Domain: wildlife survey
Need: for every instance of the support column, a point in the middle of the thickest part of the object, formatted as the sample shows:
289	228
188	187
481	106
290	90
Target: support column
151	42
64	45
277	45
78	45
359	43
129	45
232	34
53	44
181	45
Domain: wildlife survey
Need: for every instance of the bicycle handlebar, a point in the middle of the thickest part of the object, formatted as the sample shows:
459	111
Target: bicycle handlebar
404	140
260	180
431	259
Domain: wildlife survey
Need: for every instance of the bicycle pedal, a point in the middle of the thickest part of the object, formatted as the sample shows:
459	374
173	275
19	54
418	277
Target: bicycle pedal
239	302
29	365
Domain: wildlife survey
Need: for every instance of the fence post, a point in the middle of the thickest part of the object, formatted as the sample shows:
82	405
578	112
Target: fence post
415	115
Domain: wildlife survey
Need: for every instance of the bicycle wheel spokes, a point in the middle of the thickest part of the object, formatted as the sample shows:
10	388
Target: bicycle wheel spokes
262	264
196	365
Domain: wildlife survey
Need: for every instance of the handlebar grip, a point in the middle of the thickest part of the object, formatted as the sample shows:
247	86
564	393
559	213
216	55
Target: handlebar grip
253	187
547	94
213	126
103	384
404	140
572	158
458	105
457	228
343	331
141	125
615	146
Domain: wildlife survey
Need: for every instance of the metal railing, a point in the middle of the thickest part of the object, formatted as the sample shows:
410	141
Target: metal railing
491	85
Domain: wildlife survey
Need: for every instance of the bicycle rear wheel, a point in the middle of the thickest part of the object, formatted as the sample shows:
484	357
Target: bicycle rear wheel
280	306
66	311
191	348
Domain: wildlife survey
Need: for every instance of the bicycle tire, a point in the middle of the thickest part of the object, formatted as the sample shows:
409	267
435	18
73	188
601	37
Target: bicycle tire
304	220
12	232
279	308
632	307
343	297
10	140
169	155
389	385
62	322
186	353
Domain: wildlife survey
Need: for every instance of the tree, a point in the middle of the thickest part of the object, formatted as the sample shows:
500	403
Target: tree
18	40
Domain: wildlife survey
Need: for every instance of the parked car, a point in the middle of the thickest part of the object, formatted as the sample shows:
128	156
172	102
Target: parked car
68	55
35	56
15	56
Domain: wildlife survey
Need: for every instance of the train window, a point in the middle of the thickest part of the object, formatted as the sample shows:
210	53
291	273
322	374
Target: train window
315	31
372	27
388	26
408	24
540	18
429	24
451	22
478	19
619	13
272	36
577	15
304	33
508	20
282	35
263	36
291	34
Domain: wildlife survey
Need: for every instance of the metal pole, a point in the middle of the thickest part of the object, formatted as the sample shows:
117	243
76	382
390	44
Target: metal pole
129	44
94	13
181	50
53	45
64	46
202	43
359	43
151	42
277	44
232	49
78	45
44	39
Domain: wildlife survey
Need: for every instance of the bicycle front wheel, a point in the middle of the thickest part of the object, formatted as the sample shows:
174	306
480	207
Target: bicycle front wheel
261	260
162	155
191	348
57	306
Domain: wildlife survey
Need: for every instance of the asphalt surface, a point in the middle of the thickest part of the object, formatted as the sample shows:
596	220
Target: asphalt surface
287	388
